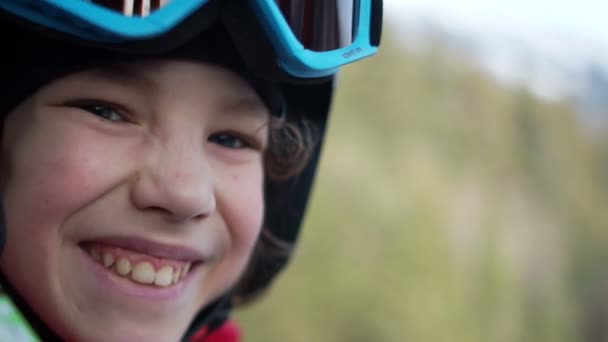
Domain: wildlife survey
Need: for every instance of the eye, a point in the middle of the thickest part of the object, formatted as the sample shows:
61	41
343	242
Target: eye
229	140
104	111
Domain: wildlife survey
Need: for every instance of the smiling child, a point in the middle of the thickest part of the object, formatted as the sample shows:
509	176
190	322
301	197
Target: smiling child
152	181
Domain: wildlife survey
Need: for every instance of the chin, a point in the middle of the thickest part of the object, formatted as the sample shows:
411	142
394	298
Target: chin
126	331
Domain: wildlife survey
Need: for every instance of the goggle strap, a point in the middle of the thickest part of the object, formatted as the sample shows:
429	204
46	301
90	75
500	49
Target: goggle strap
376	23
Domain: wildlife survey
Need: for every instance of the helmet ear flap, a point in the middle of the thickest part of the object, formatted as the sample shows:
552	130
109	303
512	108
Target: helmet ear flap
269	256
286	199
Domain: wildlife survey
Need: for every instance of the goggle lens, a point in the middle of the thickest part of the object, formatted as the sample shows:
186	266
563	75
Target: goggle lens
322	25
319	25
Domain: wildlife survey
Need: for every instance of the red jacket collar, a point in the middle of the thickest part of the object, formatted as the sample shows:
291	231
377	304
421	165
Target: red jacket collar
227	332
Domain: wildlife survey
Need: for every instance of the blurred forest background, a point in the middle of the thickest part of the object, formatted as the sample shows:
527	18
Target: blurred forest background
447	207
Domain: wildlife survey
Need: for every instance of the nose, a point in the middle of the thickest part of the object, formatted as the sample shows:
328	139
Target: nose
176	185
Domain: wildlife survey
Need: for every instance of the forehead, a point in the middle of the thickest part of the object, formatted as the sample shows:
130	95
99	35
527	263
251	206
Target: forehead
156	75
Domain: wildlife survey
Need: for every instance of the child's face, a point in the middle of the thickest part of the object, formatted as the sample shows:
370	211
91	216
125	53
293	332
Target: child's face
152	168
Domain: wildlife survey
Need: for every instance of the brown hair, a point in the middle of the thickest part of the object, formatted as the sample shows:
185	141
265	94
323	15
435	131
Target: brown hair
291	143
290	146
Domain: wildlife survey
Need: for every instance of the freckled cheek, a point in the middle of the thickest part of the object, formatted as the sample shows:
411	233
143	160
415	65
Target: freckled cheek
245	198
54	179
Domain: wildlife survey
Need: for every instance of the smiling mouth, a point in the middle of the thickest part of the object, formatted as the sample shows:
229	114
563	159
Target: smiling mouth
142	269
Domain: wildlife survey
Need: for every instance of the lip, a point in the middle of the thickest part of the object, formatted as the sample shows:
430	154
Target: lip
152	248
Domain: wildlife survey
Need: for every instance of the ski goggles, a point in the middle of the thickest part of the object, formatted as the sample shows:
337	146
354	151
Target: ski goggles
308	38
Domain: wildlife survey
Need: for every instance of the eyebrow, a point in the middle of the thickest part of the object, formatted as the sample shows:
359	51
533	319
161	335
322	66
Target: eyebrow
248	108
126	76
246	104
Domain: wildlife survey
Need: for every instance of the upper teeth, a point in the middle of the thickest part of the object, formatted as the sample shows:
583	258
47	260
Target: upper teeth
142	272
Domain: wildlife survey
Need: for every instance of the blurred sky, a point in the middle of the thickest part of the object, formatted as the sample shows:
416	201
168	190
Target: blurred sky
580	17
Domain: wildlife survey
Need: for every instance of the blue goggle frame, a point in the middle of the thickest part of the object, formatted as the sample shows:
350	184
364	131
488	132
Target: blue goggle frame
97	24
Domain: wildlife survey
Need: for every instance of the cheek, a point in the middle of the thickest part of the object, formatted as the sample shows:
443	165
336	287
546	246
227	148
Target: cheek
50	172
242	205
51	176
